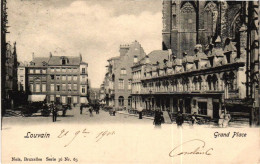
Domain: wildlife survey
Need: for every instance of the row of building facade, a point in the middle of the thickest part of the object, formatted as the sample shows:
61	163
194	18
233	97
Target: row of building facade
201	68
61	79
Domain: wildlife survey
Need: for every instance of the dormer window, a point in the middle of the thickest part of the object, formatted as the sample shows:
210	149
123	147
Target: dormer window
135	59
44	63
63	61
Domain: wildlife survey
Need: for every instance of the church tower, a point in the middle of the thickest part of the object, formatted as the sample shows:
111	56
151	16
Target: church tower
167	26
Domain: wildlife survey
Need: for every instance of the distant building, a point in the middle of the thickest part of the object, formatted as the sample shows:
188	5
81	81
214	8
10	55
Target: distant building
118	80
22	76
102	93
62	79
94	94
10	75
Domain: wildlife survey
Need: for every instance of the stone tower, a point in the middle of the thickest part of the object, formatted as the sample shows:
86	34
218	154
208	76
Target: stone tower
166	20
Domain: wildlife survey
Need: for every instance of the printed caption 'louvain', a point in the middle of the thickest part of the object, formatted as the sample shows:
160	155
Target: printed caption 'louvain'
39	135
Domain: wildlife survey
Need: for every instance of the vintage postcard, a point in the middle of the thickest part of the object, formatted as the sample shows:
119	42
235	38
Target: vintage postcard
130	81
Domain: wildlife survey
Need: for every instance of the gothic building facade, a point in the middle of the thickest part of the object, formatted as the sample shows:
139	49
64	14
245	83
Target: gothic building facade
206	71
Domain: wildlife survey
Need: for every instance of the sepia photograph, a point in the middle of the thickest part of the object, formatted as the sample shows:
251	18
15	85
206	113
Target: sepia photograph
130	81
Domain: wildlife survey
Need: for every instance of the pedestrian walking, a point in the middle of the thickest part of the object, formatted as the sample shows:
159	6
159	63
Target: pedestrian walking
227	118
54	113
179	119
97	109
90	111
221	119
81	108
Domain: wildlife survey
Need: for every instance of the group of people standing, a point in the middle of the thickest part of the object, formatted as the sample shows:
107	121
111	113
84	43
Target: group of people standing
223	120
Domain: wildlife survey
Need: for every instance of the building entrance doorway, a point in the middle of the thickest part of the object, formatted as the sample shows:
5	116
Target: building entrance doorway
69	100
215	110
57	99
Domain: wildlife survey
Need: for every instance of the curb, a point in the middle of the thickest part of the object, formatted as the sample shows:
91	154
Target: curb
135	115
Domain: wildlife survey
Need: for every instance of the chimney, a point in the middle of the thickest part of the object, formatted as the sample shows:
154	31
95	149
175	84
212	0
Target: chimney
32	55
50	54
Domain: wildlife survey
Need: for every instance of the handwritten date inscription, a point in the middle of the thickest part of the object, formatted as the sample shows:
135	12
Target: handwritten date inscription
98	136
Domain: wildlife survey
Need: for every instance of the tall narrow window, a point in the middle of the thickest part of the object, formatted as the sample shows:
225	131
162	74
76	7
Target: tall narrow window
31	87
121	84
75	87
174	22
121	101
129	84
83	89
58	87
83	70
69	87
63	87
52	87
43	87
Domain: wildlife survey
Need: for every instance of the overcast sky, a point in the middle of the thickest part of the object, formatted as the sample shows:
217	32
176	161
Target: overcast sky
94	28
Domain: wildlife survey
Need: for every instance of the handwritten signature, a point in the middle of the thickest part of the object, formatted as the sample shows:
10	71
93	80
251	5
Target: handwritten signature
198	148
84	132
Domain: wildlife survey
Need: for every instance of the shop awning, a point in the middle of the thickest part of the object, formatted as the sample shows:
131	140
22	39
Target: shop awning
83	100
35	98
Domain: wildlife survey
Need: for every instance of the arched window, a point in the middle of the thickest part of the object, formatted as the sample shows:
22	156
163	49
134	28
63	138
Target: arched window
232	82
210	20
121	101
195	83
174	20
215	82
209	80
200	83
187	27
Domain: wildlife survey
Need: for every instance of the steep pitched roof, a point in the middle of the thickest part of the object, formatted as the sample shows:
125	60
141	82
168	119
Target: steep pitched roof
72	60
39	62
158	55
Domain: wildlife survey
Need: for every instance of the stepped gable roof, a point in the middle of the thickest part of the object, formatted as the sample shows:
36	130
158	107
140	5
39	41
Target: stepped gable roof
169	64
39	62
154	67
217	52
72	60
158	55
200	55
177	62
161	65
230	47
148	68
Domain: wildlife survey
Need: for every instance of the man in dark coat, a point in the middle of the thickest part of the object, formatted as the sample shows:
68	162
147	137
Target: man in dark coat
157	119
179	119
54	113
